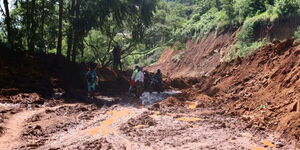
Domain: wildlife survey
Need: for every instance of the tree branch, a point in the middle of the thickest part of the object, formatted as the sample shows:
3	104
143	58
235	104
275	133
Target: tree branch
1	10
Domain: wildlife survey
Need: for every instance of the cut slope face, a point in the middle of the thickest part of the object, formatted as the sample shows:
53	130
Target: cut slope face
45	74
263	89
198	59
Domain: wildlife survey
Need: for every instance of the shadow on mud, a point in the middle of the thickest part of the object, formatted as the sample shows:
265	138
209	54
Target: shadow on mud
146	100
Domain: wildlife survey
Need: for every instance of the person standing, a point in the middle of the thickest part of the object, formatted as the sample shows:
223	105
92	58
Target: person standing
117	57
139	83
132	79
92	80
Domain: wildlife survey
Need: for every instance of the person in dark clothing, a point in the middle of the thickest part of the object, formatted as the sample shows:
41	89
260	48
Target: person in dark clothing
92	80
147	80
117	57
156	82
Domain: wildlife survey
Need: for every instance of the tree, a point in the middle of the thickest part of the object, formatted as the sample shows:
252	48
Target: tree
8	23
33	25
59	39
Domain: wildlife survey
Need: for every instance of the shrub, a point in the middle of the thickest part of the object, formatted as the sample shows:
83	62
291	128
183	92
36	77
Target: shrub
241	49
287	7
179	46
297	34
178	57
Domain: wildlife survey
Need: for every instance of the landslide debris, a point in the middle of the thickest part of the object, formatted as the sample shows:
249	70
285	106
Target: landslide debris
262	89
49	75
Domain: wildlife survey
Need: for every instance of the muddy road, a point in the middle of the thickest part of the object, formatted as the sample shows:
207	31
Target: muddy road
125	124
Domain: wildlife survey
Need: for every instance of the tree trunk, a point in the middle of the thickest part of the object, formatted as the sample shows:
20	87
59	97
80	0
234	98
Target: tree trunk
59	39
70	37
70	42
32	27
42	26
8	23
76	30
75	47
27	23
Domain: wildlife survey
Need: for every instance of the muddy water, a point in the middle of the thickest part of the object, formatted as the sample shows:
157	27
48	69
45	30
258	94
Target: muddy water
81	126
151	98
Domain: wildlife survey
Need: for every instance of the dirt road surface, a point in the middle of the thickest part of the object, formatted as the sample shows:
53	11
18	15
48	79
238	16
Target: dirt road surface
56	126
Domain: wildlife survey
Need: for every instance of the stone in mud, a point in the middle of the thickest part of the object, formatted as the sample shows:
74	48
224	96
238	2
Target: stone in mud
1	130
144	119
34	118
102	144
47	111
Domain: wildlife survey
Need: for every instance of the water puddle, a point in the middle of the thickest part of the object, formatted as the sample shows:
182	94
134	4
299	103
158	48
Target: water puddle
105	98
268	143
248	135
104	129
9	105
188	119
258	148
138	126
151	98
191	105
154	116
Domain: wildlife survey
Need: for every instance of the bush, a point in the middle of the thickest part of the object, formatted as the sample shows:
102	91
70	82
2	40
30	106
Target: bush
152	57
287	7
297	34
198	26
241	49
178	57
179	46
246	35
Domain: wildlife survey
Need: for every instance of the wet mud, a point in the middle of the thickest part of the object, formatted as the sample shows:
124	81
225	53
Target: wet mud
80	126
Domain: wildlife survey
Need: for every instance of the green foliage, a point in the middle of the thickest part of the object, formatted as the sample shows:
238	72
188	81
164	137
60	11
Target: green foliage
178	46
246	35
178	57
149	58
250	8
143	28
287	7
198	26
297	34
241	49
219	15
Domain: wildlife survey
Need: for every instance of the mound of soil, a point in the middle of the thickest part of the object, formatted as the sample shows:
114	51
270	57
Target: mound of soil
41	73
45	74
262	89
97	144
198	59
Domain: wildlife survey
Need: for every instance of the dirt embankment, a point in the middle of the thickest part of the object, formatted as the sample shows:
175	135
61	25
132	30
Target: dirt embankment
262	89
198	59
45	74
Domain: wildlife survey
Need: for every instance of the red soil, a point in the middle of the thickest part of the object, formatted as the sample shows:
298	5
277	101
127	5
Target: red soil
197	60
262	89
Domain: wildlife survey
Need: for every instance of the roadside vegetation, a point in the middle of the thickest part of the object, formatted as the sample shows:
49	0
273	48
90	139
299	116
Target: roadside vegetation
85	31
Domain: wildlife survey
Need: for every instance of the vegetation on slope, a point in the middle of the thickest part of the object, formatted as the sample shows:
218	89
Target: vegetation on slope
85	31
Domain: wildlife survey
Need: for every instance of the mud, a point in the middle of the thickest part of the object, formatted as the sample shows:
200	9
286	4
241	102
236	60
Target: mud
265	95
86	126
232	108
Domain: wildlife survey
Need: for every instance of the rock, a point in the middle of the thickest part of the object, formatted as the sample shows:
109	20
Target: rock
279	144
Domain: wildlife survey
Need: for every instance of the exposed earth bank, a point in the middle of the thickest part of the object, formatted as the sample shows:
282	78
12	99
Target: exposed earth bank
262	90
171	124
250	103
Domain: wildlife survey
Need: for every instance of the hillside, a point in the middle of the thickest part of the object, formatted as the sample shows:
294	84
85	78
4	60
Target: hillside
262	89
197	60
230	75
201	57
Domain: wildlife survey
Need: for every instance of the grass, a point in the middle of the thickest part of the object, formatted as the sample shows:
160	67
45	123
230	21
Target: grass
241	49
297	34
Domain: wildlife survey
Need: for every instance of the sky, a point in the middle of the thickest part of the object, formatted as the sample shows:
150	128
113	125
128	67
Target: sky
10	2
